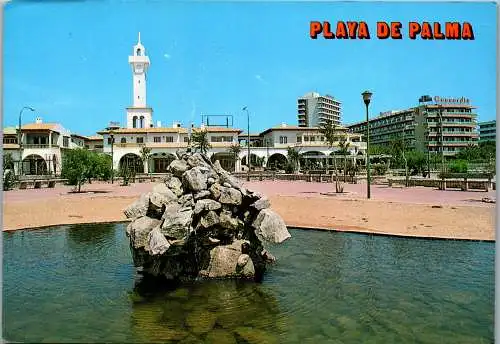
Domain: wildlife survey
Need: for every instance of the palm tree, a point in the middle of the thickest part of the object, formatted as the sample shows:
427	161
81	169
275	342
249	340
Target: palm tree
398	146
294	158
330	131
145	154
200	141
235	151
344	151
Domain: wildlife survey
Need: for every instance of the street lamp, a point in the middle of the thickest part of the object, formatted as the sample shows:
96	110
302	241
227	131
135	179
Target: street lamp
112	135
367	95
19	166
248	143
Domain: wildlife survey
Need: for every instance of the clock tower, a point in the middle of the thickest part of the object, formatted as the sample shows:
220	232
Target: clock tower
139	115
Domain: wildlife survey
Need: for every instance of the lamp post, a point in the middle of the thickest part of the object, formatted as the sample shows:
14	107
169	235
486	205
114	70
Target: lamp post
367	95
19	166
112	135
248	143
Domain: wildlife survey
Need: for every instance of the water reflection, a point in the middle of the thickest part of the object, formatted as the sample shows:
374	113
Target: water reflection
225	311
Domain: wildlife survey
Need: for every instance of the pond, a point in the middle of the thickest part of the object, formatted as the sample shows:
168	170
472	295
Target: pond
78	284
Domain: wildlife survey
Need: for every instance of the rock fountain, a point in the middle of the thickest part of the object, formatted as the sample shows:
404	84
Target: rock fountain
202	223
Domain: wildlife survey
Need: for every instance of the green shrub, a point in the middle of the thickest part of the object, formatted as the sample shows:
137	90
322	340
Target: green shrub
458	166
379	169
9	179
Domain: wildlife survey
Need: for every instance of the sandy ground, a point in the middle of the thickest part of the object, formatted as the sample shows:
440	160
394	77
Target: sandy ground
417	211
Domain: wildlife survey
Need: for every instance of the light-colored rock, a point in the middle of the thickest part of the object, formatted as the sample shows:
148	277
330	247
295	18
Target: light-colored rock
224	261
161	188
178	167
158	203
229	196
270	227
139	229
206	205
157	243
243	260
195	179
260	204
210	180
215	190
175	185
176	222
201	194
138	208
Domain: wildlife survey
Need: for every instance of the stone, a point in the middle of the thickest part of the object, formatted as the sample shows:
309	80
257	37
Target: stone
157	243
242	260
260	204
224	261
138	208
215	190
178	167
210	219
191	226
206	205
164	190
229	196
157	204
139	229
202	194
175	185
195	179
176	222
270	227
229	222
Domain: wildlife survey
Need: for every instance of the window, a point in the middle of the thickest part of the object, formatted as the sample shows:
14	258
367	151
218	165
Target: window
139	140
65	141
9	140
283	139
98	146
109	140
186	139
299	139
169	139
157	139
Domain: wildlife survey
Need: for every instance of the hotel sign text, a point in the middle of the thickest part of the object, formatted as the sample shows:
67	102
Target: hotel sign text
461	100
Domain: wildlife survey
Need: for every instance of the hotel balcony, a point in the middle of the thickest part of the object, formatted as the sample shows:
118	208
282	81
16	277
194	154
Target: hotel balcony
39	146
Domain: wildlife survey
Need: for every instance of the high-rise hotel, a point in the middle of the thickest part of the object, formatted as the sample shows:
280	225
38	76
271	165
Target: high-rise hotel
447	124
314	110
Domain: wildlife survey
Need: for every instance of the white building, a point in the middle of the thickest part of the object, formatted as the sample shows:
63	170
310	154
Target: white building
313	110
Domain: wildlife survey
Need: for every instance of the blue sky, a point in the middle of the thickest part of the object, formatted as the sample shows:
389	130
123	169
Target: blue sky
70	60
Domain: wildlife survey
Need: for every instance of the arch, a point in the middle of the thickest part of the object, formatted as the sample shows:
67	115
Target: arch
277	160
34	164
161	161
123	140
132	162
226	160
141	122
134	122
138	52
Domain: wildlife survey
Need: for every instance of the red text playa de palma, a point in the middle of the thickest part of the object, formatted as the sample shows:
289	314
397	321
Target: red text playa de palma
425	30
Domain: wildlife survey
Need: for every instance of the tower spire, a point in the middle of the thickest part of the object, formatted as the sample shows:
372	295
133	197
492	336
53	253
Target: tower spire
139	40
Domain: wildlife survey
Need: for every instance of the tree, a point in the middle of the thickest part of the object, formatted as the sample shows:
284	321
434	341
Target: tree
344	151
293	158
8	161
8	171
330	131
398	147
200	141
145	154
77	166
235	151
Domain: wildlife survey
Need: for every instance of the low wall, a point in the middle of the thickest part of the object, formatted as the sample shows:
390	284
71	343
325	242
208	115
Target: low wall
448	183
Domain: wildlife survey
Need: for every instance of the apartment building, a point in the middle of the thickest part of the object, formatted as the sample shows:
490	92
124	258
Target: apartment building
449	126
487	131
315	109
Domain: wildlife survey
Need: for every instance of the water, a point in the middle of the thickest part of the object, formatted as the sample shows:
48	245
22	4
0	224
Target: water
77	284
